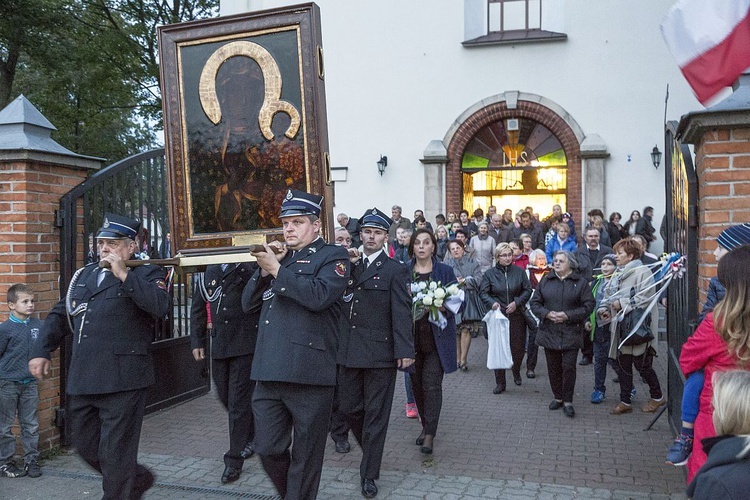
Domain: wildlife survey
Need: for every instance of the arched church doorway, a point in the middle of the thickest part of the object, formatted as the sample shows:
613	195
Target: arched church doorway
514	163
512	151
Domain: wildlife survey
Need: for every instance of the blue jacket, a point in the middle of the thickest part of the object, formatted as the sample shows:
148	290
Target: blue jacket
716	292
554	245
445	340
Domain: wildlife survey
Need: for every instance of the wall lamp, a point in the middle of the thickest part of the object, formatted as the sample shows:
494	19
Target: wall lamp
656	157
383	162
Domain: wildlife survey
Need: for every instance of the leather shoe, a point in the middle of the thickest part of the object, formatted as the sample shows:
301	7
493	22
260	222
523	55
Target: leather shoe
498	390
420	440
230	475
517	378
555	405
142	482
621	408
343	446
530	374
585	361
247	451
569	411
369	490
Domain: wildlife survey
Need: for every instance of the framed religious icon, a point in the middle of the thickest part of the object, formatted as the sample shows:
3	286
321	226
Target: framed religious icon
244	121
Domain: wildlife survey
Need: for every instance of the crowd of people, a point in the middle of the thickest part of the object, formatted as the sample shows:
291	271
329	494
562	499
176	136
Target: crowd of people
308	340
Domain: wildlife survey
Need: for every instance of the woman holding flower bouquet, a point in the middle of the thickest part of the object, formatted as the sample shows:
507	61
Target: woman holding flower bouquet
506	287
434	332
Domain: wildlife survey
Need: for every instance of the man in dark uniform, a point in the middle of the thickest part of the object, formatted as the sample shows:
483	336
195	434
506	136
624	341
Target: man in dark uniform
113	312
298	293
377	341
233	336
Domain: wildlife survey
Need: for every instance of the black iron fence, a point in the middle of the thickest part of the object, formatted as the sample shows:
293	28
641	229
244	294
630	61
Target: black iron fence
682	237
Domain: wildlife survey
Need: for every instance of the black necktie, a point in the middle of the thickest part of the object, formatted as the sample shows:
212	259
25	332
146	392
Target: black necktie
367	262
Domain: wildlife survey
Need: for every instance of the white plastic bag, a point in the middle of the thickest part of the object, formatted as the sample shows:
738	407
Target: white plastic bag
498	338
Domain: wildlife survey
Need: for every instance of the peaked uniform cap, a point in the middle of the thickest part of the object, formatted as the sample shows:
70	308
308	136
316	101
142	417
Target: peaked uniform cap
376	219
734	236
301	203
116	227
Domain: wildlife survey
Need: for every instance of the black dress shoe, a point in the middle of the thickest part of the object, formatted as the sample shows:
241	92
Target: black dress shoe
420	440
517	378
555	405
369	490
569	411
247	451
585	361
343	446
498	390
231	474
142	482
530	374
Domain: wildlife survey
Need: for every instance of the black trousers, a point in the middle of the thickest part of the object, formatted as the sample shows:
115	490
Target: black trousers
561	366
532	349
366	399
280	408
339	424
106	429
644	364
427	382
235	390
517	346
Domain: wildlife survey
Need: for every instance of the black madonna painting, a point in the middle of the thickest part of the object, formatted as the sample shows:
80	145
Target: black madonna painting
248	123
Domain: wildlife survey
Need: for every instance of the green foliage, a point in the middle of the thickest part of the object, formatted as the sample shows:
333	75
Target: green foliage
91	67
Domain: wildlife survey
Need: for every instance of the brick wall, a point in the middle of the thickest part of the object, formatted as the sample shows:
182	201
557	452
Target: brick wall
722	164
29	253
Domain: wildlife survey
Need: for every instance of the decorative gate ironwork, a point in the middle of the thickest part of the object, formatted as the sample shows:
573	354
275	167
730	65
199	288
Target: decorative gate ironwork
682	237
136	187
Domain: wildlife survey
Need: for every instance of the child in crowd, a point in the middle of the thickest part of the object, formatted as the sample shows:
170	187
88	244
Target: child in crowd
678	454
18	388
600	334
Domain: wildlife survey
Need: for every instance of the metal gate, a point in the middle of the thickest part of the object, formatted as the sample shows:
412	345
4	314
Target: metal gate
682	237
135	187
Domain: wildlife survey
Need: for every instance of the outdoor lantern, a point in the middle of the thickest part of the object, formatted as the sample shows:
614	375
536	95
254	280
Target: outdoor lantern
383	162
656	157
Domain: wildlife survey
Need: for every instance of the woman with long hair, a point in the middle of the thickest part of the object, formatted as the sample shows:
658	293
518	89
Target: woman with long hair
435	347
507	288
721	342
631	224
442	237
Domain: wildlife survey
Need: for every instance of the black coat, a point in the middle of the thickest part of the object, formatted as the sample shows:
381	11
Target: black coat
588	267
234	332
726	473
377	322
299	315
572	296
112	337
503	284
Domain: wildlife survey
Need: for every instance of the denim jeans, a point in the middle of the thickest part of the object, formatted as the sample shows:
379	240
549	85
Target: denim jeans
691	394
23	399
601	357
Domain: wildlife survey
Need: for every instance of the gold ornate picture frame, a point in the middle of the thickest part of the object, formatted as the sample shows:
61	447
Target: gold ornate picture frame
244	121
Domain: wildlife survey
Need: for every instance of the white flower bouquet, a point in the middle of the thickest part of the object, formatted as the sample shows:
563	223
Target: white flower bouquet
429	296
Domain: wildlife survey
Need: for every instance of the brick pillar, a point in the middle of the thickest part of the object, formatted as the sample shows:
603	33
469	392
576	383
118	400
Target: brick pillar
721	136
30	194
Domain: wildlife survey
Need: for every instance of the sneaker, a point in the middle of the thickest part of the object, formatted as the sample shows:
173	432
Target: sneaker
32	468
680	451
652	405
11	470
411	410
597	397
632	393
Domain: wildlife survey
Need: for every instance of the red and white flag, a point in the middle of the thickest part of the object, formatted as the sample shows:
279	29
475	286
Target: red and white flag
710	39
